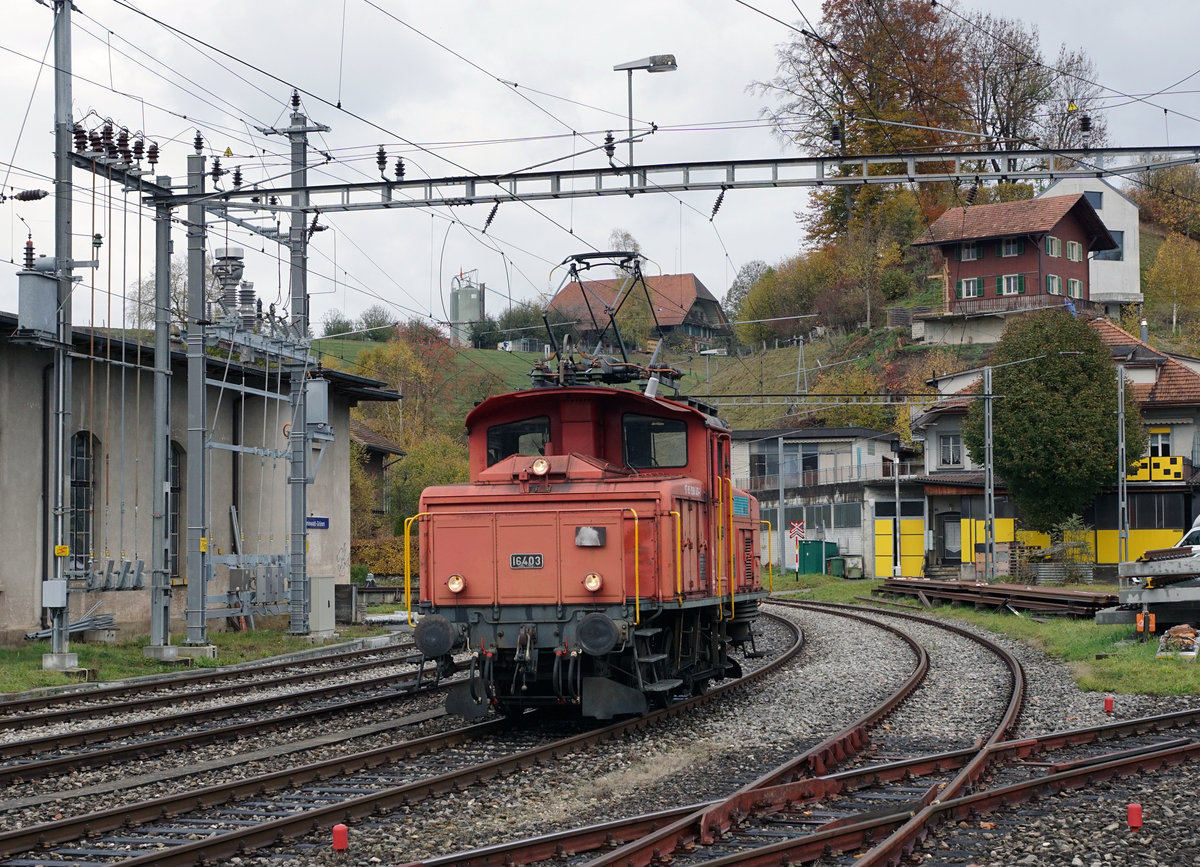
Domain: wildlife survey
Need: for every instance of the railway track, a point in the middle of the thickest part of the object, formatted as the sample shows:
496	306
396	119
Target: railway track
27	710
248	813
871	812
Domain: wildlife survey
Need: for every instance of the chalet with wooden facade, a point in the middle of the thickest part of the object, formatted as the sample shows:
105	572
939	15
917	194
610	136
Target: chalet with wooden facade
682	304
1009	258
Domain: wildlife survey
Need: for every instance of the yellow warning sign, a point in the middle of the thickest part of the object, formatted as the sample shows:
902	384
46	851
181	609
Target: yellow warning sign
203	544
1071	106
62	550
229	151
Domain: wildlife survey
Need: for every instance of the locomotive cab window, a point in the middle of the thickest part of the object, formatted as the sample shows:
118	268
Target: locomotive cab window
652	442
525	437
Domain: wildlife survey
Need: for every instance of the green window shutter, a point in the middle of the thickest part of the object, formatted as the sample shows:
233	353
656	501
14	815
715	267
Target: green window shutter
958	253
958	289
1048	281
1020	247
999	249
1049	251
999	285
1020	284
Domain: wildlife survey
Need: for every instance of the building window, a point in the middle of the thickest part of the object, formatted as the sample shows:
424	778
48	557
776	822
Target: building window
1156	511
81	508
1115	255
1053	246
970	287
1160	444
175	508
1010	284
968	251
1074	251
1053	284
1095	198
951	450
1075	288
1012	247
847	514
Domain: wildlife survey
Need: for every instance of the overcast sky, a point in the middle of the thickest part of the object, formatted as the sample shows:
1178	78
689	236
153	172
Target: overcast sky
433	74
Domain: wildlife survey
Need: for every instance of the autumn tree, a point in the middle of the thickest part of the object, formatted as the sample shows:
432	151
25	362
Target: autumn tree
845	383
1169	197
1054	428
878	76
1174	279
436	459
335	323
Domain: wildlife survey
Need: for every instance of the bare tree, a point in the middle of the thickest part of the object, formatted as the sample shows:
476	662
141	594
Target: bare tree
139	304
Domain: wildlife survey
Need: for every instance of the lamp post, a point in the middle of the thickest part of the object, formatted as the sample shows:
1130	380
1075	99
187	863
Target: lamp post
653	63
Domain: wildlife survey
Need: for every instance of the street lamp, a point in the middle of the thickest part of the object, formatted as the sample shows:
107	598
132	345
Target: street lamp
653	63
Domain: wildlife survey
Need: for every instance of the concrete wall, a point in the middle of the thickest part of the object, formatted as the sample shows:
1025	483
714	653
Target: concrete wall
109	401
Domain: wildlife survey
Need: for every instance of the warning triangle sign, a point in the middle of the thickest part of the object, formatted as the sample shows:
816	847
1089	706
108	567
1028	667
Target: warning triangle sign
1071	106
229	151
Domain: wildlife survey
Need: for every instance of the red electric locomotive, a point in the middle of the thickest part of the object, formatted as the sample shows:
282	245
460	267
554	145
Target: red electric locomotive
600	555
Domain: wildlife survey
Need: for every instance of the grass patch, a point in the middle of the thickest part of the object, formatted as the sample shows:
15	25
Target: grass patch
1125	664
21	667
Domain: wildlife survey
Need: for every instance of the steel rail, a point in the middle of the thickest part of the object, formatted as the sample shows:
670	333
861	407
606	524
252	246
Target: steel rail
42	768
15	703
227	845
702	826
155	701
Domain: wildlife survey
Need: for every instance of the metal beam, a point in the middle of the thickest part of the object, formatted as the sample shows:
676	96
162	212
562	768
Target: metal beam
961	166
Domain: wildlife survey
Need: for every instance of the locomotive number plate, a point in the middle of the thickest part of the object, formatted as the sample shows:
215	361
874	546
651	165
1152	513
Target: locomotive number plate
525	561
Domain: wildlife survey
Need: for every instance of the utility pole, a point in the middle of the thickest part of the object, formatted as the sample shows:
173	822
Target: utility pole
55	592
160	562
1122	469
197	412
299	600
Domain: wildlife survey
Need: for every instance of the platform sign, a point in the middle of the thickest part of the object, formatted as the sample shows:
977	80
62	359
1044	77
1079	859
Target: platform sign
312	522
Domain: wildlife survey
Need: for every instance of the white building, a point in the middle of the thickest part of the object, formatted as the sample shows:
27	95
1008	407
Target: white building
1114	275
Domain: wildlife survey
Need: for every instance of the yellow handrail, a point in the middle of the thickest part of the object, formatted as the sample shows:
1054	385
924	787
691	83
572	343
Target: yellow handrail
408	522
732	555
719	553
678	555
770	558
637	581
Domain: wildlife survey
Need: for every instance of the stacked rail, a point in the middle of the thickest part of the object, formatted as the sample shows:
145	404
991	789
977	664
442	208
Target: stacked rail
1064	601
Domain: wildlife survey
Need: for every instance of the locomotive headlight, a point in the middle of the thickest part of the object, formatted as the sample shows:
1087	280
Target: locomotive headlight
540	467
456	583
593	582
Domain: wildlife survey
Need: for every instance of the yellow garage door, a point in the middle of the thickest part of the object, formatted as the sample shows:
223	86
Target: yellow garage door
912	547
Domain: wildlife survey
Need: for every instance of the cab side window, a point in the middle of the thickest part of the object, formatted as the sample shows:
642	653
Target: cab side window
651	442
525	437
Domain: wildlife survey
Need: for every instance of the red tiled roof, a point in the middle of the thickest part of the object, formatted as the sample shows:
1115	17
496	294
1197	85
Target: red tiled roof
673	296
1024	217
1175	383
364	434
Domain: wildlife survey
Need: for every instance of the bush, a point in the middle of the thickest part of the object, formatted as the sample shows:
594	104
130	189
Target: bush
381	556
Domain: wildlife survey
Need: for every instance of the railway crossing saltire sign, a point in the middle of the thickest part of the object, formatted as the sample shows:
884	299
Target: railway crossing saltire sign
796	530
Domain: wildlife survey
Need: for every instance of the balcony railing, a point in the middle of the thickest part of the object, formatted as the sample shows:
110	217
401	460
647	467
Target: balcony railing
1010	303
830	476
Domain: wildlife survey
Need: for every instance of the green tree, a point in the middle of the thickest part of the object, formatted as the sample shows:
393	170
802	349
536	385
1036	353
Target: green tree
843	384
1054	431
739	289
436	459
